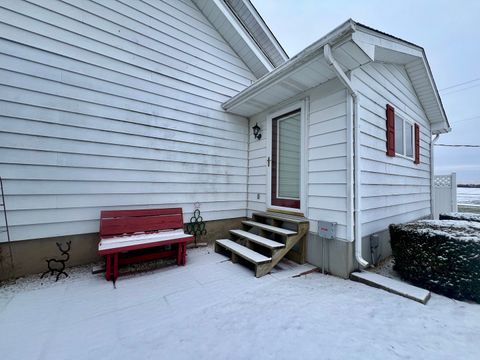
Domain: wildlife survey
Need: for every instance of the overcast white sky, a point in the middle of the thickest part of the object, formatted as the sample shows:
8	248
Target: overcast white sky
449	32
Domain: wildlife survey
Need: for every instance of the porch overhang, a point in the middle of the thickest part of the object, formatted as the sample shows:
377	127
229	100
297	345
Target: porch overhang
353	45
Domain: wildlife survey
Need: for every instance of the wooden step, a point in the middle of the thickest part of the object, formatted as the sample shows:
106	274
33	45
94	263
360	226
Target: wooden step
282	217
243	251
258	239
272	229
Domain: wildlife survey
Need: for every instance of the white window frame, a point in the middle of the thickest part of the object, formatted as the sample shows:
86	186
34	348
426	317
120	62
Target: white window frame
404	138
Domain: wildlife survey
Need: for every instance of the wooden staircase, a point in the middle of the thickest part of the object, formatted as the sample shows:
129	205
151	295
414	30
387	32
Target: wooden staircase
265	240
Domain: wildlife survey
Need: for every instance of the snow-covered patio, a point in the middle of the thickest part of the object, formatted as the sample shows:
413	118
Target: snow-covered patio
213	309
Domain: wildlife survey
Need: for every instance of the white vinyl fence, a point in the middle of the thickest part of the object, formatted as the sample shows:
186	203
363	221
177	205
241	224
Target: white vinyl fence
445	193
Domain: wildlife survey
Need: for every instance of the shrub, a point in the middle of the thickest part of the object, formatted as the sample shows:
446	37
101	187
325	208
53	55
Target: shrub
460	216
442	256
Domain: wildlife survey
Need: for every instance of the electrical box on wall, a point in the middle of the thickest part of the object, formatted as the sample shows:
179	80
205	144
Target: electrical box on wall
327	229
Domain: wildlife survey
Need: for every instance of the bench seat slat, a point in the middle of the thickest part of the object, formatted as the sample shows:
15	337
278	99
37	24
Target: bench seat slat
143	240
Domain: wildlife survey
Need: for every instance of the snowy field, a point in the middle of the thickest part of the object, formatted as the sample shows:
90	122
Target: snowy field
470	196
468	200
213	309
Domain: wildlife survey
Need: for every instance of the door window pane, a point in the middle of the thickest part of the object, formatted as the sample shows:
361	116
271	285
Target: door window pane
399	135
408	139
289	157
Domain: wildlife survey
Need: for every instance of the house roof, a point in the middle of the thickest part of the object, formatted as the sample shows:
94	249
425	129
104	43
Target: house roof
353	45
258	30
244	29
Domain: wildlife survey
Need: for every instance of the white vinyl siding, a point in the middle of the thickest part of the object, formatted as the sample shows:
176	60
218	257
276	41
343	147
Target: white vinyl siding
326	161
116	104
327	157
394	189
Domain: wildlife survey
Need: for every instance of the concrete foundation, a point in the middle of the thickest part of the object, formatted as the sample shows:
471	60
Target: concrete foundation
29	256
219	229
340	255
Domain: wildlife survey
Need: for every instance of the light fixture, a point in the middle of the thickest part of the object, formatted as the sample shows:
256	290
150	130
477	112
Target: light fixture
256	131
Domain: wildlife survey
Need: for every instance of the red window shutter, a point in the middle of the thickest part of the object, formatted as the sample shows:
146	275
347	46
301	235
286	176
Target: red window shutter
390	130
417	144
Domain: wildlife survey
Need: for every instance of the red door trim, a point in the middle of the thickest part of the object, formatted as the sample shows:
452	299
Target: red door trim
290	203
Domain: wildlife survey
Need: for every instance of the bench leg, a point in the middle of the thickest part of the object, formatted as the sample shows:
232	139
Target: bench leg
108	267
184	253
115	267
179	254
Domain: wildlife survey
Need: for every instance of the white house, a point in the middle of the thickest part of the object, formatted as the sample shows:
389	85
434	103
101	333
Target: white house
137	104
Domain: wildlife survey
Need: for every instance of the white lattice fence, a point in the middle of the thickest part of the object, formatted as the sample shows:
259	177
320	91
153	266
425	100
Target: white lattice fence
445	192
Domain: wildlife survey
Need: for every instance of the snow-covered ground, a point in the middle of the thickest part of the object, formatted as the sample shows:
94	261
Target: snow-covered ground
468	196
213	309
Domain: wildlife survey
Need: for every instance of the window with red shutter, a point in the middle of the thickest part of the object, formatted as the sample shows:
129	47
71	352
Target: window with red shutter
417	144
403	136
390	130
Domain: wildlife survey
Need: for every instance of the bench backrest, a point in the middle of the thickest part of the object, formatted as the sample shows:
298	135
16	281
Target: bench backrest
120	222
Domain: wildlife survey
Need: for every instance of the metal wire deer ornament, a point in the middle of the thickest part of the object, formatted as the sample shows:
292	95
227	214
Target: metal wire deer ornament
56	265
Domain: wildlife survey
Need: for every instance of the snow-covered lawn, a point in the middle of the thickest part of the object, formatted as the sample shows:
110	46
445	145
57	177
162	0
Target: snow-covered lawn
213	309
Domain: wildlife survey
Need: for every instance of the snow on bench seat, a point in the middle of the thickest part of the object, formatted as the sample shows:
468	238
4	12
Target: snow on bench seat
131	240
243	252
258	239
392	285
270	228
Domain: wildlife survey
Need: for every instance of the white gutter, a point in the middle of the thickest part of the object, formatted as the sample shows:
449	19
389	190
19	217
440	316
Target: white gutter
327	51
432	176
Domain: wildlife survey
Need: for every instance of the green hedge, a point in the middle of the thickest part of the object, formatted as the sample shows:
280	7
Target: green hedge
460	216
442	256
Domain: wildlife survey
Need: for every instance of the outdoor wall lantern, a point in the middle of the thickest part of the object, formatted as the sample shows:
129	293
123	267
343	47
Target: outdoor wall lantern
256	131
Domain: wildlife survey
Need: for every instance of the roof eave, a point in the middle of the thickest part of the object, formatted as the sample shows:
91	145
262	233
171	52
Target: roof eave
298	60
373	46
446	125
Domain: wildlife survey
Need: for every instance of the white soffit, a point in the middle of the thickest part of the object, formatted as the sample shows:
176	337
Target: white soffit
222	18
353	45
304	71
388	49
259	30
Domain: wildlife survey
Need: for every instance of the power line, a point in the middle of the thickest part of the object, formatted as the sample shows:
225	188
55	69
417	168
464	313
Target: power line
458	145
462	89
460	84
466	119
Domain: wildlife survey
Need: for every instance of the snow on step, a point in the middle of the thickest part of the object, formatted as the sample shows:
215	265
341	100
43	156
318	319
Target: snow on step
258	239
282	217
392	285
270	228
242	251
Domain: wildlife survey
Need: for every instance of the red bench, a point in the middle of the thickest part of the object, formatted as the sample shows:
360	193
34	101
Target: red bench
124	231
